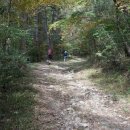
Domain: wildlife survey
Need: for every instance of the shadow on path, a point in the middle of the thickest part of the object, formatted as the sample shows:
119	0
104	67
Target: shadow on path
65	103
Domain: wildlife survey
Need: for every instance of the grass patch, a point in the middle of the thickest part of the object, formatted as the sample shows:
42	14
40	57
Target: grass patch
17	109
113	81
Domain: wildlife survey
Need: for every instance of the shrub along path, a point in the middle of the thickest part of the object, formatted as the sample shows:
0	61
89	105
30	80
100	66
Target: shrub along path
67	100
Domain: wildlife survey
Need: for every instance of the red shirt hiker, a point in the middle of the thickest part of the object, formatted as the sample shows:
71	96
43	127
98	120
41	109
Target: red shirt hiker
50	54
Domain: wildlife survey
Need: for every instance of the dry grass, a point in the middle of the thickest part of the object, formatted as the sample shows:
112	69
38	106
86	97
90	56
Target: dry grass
115	81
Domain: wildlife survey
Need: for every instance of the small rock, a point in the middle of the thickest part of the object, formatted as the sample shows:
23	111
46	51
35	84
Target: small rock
77	119
128	118
125	122
81	102
85	125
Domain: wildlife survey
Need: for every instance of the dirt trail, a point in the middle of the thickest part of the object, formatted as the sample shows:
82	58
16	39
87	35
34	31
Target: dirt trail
68	102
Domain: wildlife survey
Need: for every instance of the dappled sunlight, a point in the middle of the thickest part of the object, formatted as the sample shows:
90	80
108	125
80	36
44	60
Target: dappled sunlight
70	97
64	64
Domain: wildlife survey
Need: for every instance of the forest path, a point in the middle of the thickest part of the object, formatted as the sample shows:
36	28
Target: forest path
67	100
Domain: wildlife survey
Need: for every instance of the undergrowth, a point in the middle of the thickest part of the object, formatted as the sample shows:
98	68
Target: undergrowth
16	92
112	80
17	109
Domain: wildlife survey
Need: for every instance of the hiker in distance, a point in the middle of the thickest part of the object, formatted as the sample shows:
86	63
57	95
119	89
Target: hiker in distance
65	54
49	56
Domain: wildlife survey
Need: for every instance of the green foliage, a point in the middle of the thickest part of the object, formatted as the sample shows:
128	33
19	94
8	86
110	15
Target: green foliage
37	53
16	111
13	67
15	34
16	96
107	48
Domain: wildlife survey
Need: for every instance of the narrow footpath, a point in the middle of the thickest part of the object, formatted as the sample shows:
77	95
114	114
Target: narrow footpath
68	100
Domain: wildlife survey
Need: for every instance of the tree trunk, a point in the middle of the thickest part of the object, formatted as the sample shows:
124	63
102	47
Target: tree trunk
45	27
124	38
9	11
24	18
36	28
55	37
36	38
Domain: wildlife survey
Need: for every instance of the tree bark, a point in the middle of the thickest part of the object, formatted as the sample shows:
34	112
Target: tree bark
45	27
36	38
36	28
55	37
124	38
9	11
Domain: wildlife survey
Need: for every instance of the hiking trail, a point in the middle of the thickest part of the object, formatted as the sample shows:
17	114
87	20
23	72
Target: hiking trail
68	100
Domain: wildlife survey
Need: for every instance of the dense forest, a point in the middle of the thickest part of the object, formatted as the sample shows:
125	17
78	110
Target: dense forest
97	30
87	28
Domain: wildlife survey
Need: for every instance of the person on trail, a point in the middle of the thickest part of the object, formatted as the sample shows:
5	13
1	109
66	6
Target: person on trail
49	55
65	55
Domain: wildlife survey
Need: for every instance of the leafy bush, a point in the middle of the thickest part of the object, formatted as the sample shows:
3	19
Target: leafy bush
12	68
107	49
19	38
37	53
16	111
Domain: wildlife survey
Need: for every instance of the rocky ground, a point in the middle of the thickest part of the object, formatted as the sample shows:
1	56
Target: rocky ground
67	100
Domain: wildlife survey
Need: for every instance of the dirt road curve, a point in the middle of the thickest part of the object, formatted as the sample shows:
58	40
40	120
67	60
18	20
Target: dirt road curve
67	101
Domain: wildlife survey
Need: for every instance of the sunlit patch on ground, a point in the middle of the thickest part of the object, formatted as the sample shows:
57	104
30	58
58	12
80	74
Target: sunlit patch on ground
69	100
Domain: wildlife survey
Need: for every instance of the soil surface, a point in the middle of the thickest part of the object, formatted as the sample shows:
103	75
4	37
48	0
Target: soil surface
68	100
